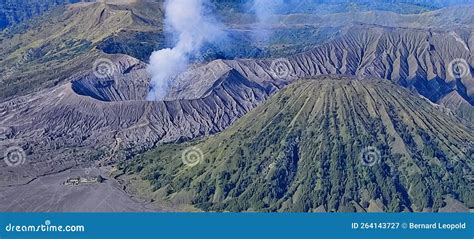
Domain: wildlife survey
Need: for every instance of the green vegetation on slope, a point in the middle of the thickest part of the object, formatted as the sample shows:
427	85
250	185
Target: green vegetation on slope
302	149
63	42
16	11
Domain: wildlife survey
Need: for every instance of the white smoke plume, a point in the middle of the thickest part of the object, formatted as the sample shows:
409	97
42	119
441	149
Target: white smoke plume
265	11
193	26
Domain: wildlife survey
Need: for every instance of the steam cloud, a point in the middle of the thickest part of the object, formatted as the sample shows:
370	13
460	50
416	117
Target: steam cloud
264	11
193	27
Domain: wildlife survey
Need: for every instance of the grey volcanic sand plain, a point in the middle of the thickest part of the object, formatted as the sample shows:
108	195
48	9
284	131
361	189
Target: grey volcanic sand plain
49	194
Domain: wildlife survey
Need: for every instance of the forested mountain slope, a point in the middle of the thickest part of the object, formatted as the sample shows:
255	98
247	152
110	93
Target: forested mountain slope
329	144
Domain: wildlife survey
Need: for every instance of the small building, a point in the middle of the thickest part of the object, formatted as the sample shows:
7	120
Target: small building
74	181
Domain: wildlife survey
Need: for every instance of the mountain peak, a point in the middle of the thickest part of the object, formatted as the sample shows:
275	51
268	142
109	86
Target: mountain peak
329	143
